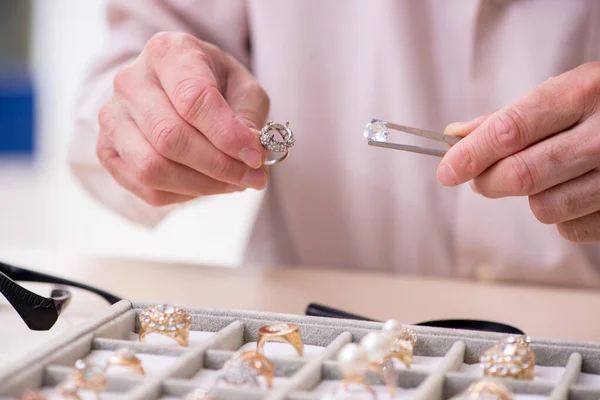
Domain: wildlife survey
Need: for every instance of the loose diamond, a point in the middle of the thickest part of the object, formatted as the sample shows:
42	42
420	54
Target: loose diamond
376	131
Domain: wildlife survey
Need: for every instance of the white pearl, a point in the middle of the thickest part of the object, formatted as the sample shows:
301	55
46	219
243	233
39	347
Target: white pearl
353	360
393	327
378	345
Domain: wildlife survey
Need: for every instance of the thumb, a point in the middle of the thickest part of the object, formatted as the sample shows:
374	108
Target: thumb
462	129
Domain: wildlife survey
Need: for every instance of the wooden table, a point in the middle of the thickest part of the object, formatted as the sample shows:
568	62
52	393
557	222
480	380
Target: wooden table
541	312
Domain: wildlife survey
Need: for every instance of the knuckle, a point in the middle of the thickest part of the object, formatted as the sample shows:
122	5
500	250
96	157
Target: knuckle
156	198
166	133
123	79
148	170
105	116
521	176
192	98
507	131
159	44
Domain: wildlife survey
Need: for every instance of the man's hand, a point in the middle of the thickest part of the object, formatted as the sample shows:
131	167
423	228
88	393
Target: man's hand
546	146
182	123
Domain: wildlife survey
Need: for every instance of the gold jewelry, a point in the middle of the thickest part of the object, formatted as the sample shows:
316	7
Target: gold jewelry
510	358
353	361
166	320
31	394
286	333
126	358
486	389
378	346
245	368
68	391
87	377
404	341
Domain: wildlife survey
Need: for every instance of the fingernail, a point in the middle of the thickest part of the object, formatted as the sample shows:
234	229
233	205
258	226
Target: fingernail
474	188
251	158
446	175
255	179
234	188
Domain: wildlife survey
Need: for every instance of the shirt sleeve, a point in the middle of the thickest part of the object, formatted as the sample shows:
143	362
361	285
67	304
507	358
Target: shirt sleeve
130	24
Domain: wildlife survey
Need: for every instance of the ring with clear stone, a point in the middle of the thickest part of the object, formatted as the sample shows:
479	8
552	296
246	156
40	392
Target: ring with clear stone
84	377
486	389
246	368
125	357
166	320
510	358
268	140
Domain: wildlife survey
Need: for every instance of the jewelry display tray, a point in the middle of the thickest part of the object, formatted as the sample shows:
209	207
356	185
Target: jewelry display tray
445	360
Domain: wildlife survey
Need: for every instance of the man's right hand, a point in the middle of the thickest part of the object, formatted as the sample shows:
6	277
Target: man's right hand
182	123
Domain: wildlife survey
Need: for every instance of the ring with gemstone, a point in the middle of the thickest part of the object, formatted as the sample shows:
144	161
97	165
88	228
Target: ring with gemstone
486	389
268	140
404	341
512	357
125	358
353	361
166	320
68	390
378	346
32	394
85	377
246	368
281	332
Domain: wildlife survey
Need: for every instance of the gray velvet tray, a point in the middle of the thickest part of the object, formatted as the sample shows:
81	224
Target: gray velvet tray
446	361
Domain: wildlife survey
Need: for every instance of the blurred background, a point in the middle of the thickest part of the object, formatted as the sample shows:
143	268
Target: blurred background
45	47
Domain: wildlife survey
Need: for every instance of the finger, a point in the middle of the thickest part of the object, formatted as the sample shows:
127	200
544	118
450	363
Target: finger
584	230
110	160
144	165
247	98
571	200
462	129
175	139
541	166
190	83
554	106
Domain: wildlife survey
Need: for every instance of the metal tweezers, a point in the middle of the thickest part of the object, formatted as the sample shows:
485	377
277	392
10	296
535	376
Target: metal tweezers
448	139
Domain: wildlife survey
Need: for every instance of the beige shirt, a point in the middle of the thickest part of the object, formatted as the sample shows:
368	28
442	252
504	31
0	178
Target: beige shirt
329	66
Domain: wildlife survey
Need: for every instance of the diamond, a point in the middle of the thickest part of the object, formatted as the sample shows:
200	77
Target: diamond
376	131
509	349
172	328
161	327
514	370
151	325
502	370
180	325
493	369
166	308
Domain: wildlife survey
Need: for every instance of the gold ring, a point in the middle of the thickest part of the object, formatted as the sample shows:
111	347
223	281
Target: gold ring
353	361
404	341
510	358
31	394
166	320
68	391
245	368
286	333
486	389
86	377
125	358
378	346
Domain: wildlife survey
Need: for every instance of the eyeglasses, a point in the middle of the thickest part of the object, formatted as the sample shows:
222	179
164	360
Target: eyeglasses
38	312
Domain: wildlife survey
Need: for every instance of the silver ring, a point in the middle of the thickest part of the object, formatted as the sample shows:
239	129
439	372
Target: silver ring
284	146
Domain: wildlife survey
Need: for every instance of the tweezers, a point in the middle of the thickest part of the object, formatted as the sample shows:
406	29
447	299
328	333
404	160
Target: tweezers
448	139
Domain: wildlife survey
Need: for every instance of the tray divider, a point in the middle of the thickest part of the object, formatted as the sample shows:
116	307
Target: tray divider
453	359
310	375
570	376
432	388
193	360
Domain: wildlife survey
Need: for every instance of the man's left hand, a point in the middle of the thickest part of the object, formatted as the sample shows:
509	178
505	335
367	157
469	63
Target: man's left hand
546	146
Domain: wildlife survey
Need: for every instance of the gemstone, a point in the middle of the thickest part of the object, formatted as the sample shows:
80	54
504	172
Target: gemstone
278	328
511	339
493	369
161	327
125	353
525	365
166	309
514	370
151	325
509	349
376	131
180	325
502	370
522	351
172	328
